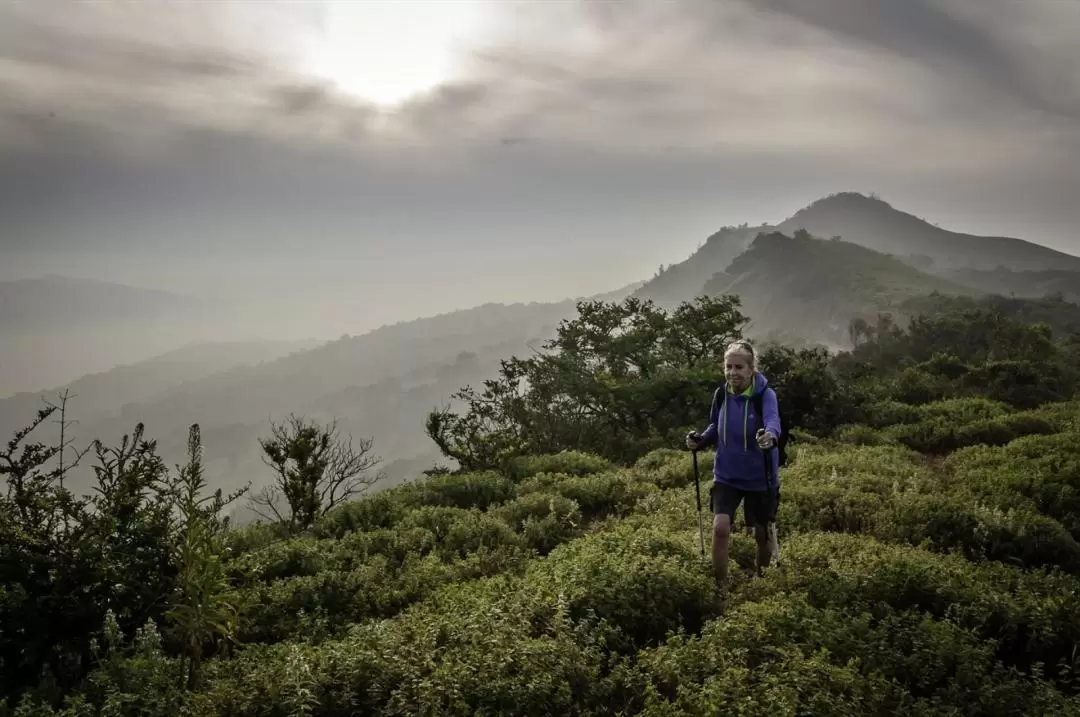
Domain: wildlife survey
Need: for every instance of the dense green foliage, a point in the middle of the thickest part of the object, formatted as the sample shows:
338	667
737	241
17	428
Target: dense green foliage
930	565
617	380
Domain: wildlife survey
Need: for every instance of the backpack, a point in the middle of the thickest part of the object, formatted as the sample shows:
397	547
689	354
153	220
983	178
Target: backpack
781	440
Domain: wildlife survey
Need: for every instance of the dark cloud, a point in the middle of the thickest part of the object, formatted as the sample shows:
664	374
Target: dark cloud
938	34
618	131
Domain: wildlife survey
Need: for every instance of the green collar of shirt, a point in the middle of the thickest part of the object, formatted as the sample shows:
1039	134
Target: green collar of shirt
749	389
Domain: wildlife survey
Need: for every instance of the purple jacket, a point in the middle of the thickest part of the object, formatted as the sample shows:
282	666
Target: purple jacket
733	424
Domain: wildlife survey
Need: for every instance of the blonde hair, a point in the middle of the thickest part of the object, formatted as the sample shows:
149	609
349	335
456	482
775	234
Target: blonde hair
744	348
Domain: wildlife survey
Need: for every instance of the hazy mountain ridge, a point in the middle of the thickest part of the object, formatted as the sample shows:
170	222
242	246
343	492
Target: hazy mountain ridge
54	329
383	383
379	384
1025	284
815	287
60	301
982	263
875	224
675	283
107	392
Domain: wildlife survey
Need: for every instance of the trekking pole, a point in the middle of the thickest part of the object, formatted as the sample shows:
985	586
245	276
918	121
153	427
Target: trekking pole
697	489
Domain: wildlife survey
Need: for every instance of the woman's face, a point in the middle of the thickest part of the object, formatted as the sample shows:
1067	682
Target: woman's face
738	370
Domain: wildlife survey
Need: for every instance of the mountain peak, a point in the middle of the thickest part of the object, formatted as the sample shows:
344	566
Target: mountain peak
851	199
875	224
853	204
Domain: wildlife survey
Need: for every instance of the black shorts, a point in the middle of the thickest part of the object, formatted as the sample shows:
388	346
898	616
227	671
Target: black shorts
760	507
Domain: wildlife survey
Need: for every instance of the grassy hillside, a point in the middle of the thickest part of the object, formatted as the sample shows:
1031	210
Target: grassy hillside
815	287
930	562
875	224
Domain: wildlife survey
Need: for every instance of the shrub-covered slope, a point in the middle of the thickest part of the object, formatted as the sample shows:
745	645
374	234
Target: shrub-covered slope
566	585
930	549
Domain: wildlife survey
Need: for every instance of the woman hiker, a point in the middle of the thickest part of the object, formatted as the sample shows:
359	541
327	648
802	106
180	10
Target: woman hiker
743	441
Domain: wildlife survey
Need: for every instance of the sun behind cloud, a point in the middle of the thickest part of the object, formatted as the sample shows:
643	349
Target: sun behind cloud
386	52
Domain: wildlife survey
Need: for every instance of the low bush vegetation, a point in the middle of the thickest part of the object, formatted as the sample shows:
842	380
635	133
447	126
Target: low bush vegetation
930	559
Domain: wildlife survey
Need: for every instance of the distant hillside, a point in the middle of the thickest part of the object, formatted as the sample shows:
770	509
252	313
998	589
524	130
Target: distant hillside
976	261
875	224
54	329
101	395
383	383
1024	284
1061	315
926	258
379	384
60	301
682	281
815	287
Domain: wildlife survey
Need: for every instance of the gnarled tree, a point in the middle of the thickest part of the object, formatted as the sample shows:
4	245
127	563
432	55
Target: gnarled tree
316	470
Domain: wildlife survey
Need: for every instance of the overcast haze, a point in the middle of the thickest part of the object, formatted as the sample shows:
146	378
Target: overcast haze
246	150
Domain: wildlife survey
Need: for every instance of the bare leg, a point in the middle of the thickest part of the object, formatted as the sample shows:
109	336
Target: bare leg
721	536
764	547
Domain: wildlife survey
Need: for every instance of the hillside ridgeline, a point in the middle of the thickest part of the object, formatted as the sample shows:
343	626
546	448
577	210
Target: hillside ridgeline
816	287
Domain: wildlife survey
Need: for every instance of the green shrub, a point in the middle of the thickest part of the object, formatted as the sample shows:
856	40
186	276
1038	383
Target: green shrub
963	410
834	508
861	435
468	490
459	531
669	468
277	610
915	386
879	414
285	559
1033	617
660	458
1064	415
742	660
254	536
1018	536
883	465
1041	471
902	663
544	519
575	463
487	647
644	583
597	495
381	510
136	679
1023	384
940	436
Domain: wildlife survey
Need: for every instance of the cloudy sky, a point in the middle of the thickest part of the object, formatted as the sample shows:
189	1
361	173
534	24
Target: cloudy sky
322	150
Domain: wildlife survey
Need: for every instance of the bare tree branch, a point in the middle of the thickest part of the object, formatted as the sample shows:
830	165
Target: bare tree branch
346	471
264	505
